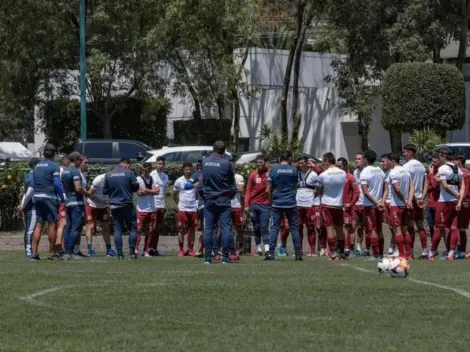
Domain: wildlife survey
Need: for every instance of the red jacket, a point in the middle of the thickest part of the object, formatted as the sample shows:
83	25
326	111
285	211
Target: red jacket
256	189
434	190
351	190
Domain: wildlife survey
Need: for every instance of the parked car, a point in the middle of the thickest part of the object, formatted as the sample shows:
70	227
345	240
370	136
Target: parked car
457	148
181	154
250	157
109	151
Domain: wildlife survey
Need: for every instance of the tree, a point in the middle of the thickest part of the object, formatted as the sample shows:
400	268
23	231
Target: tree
423	95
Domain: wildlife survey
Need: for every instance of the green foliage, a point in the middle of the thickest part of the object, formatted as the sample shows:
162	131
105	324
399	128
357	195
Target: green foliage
139	119
201	132
276	143
425	141
11	190
423	95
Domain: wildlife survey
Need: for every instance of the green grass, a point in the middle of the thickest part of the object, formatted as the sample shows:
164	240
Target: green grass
180	304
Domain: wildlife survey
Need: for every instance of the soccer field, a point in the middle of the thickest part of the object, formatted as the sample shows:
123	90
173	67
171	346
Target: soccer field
180	304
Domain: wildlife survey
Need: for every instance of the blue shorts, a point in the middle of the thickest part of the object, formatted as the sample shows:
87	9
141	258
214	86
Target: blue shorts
46	209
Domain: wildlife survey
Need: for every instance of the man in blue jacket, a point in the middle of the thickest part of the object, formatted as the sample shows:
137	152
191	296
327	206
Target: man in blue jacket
47	191
282	188
218	182
119	186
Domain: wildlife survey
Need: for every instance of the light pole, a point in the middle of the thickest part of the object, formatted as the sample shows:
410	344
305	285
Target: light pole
83	127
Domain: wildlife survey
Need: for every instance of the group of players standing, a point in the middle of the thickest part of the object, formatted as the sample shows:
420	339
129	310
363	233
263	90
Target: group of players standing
332	204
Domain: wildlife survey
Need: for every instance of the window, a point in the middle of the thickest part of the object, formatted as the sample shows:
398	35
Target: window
130	150
192	156
243	145
170	157
99	150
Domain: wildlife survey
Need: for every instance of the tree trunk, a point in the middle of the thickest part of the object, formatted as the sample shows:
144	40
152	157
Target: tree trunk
464	9
220	107
197	109
235	132
363	131
436	54
106	126
395	141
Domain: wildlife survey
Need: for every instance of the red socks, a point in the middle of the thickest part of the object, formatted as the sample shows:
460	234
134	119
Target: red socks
454	239
311	237
408	245
374	241
332	244
322	237
400	242
423	237
347	236
367	240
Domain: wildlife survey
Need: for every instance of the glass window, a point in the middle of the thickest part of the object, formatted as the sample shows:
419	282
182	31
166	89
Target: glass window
192	156
170	157
130	150
99	150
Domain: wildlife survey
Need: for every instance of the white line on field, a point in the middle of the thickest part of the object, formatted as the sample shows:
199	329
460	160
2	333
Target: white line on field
458	291
32	297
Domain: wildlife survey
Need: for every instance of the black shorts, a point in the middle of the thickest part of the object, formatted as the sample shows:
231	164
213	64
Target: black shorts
46	209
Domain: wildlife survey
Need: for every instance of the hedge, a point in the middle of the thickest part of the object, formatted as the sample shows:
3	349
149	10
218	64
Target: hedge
423	95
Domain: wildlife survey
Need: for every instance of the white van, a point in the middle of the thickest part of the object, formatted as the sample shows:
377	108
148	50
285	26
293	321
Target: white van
457	148
181	154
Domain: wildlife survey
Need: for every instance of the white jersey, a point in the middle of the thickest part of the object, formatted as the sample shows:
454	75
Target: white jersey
389	183
333	180
374	178
236	201
97	185
418	174
445	172
146	204
399	176
161	179
305	191
187	198
357	175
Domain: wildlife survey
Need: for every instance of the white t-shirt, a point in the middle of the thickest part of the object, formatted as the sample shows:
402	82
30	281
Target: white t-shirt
399	175
146	204
236	201
97	185
374	178
187	198
305	195
357	175
418	174
333	180
445	172
161	179
389	183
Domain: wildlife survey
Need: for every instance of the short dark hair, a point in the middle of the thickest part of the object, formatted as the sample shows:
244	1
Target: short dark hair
435	155
187	164
343	161
74	156
360	153
385	156
63	159
219	147
370	156
261	157
33	162
411	147
460	157
146	165
446	152
125	161
329	157
395	157
304	158
49	150
285	156
161	158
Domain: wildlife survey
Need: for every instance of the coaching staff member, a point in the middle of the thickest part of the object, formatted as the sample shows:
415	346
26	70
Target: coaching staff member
218	182
119	186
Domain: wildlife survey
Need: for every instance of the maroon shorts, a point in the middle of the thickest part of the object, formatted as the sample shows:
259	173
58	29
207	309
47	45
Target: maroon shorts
146	218
305	216
463	217
417	213
399	216
315	217
332	216
186	220
374	219
446	215
284	223
358	213
95	214
348	215
62	211
237	218
160	213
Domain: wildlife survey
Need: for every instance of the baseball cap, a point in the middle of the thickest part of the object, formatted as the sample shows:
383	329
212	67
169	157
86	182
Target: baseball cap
219	147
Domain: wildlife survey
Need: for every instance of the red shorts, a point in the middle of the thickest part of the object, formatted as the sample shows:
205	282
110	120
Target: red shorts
186	220
160	213
332	216
417	213
305	216
146	218
237	218
446	215
399	216
374	219
358	213
348	215
95	214
388	214
315	216
284	223
62	211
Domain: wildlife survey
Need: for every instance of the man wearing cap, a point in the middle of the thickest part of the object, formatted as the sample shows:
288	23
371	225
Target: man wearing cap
218	182
119	186
416	215
27	206
47	188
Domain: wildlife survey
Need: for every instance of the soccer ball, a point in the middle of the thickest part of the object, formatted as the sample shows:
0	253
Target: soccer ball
399	267
383	266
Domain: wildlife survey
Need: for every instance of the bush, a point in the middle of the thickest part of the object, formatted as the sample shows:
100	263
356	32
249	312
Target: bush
11	191
423	95
201	132
425	141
